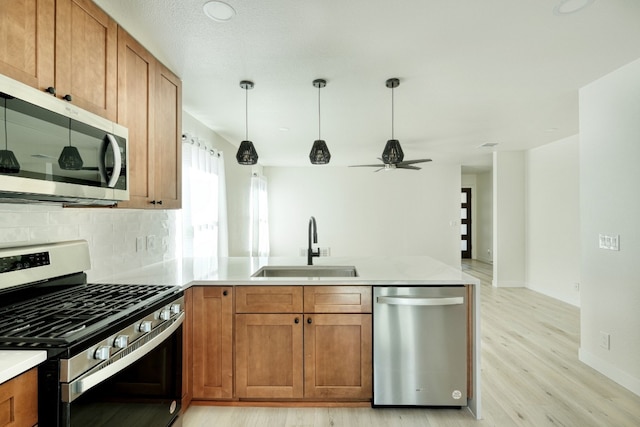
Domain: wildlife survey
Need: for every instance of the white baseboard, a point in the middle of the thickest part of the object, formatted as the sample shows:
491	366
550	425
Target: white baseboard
607	369
508	284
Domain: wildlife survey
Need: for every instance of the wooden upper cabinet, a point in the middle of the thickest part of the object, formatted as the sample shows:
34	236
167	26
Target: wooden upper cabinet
167	140
86	56
27	41
136	83
150	106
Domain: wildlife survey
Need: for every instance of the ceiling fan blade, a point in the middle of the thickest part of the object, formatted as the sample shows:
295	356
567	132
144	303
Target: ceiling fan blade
367	166
411	162
401	166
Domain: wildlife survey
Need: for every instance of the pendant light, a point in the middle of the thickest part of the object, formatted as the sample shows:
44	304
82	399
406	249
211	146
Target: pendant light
8	161
247	154
319	154
392	152
70	157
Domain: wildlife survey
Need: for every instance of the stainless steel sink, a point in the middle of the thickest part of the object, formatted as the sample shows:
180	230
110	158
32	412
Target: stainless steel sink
306	271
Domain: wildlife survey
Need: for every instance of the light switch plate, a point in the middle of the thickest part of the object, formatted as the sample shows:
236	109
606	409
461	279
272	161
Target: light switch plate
609	241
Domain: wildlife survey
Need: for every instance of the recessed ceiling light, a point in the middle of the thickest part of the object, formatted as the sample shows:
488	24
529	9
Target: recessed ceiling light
567	7
219	11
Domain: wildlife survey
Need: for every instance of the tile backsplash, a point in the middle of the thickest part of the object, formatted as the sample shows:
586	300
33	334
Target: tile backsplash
119	239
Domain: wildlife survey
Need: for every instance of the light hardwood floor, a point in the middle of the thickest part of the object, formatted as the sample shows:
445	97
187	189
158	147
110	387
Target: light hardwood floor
531	376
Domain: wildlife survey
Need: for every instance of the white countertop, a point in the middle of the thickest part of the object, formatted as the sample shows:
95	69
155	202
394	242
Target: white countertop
15	362
372	270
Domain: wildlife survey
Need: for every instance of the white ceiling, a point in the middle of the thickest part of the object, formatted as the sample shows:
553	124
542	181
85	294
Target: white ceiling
471	71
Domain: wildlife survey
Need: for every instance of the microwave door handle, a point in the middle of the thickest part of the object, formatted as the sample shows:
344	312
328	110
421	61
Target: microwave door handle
117	162
419	301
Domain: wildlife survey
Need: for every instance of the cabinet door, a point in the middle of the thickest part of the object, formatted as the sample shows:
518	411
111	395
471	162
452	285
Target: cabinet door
167	152
338	355
269	299
269	356
19	400
136	98
27	41
337	299
212	342
86	56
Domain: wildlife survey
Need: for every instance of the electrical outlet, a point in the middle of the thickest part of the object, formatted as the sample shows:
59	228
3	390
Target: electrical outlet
151	243
139	244
605	340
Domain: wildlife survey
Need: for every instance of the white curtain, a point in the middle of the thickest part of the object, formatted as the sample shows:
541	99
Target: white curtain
204	204
259	218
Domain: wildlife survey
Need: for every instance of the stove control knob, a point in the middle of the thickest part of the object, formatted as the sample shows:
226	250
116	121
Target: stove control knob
175	309
121	341
102	353
165	314
145	326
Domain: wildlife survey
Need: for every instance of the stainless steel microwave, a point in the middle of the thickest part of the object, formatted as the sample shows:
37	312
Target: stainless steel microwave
53	151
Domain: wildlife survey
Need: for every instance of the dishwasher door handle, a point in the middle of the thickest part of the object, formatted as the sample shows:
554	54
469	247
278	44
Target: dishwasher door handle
408	300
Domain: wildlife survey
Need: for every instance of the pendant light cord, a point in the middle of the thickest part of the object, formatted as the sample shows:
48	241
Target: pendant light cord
392	111
246	113
319	112
69	131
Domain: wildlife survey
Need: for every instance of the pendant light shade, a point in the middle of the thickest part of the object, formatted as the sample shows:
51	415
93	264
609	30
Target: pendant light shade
8	161
247	154
70	157
319	154
392	152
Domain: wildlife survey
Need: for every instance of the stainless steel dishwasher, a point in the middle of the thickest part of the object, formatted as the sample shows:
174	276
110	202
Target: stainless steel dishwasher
420	346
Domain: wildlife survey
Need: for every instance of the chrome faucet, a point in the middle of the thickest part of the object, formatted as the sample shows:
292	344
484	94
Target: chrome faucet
313	234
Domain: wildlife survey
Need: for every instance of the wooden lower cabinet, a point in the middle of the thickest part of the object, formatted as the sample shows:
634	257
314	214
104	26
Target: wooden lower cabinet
212	335
337	356
269	356
19	400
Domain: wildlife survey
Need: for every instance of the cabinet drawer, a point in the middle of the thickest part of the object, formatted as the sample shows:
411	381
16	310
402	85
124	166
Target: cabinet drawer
337	299
269	299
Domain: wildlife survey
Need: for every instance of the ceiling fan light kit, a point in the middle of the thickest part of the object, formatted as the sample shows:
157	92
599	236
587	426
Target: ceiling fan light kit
319	154
247	154
392	155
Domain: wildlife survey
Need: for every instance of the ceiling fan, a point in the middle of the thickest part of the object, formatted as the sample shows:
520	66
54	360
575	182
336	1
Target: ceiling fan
392	155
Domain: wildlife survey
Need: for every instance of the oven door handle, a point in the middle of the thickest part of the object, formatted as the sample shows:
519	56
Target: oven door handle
75	389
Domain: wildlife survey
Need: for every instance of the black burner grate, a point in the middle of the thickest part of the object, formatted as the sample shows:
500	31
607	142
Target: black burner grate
70	314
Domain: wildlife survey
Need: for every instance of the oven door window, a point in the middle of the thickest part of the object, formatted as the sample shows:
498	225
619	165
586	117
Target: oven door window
145	394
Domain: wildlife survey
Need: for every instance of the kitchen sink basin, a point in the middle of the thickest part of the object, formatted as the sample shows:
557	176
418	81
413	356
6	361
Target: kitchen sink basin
306	271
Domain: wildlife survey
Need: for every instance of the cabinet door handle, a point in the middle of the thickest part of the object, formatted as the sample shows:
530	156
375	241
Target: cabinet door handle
297	320
67	97
309	321
51	90
224	293
159	202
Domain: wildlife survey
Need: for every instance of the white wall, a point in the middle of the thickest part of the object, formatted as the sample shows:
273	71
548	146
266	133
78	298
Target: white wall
553	219
360	212
484	217
508	219
609	204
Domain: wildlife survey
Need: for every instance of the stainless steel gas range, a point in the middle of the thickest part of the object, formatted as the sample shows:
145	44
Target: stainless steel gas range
114	351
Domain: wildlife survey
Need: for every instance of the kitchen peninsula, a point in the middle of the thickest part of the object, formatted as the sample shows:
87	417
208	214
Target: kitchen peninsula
218	304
